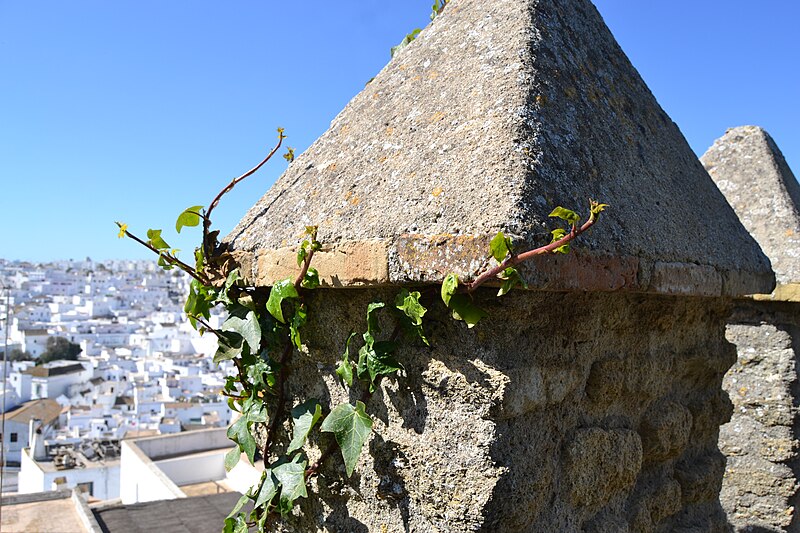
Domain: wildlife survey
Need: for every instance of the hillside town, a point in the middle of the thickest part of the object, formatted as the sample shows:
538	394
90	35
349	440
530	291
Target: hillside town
97	352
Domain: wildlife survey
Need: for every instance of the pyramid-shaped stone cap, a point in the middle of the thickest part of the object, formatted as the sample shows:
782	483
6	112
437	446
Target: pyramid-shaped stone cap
751	172
500	111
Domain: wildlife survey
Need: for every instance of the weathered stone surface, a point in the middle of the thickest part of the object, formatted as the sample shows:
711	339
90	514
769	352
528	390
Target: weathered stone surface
751	172
597	457
493	429
497	113
760	486
666	431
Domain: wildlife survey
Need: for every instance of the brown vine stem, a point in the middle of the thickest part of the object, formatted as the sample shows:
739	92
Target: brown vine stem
172	259
284	362
228	188
524	256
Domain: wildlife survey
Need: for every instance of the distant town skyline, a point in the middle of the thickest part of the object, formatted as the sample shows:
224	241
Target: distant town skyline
135	111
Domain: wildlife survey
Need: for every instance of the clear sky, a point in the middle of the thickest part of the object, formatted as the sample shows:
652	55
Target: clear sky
134	110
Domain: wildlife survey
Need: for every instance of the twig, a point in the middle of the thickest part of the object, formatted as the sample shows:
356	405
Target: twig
172	259
524	256
227	189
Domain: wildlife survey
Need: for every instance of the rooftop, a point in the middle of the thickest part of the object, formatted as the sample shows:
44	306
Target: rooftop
49	371
198	514
45	410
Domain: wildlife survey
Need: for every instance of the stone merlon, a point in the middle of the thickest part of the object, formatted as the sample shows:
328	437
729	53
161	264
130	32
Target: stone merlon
497	113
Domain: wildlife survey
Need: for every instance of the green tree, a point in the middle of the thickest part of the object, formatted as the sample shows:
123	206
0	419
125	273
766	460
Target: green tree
59	348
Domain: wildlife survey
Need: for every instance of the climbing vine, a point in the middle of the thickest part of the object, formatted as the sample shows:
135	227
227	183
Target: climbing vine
264	329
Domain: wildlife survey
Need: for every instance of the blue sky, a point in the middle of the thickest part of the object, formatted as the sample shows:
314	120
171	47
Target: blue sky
134	110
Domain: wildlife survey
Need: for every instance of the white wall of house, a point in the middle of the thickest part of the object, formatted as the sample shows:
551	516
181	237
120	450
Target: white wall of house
103	476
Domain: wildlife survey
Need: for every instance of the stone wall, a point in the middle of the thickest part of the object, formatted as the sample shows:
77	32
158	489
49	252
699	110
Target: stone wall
560	412
760	487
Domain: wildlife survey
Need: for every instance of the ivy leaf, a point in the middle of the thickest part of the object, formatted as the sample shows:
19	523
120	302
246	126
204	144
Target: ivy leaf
566	214
239	432
311	279
304	417
268	489
231	280
408	303
302	253
298	321
232	458
155	240
500	247
412	312
405	42
292	478
254	409
376	359
372	317
280	291
238	507
464	309
351	426
256	373
229	346
449	286
345	368
244	322
559	234
511	279
596	208
190	217
237	524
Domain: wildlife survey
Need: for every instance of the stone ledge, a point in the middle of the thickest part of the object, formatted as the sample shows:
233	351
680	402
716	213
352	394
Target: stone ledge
784	292
419	259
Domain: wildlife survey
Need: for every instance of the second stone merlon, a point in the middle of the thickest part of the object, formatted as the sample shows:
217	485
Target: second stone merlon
751	172
759	490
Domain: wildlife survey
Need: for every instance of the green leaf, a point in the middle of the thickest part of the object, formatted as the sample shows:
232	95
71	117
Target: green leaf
464	309
405	42
244	322
372	317
566	214
190	217
311	279
511	279
155	240
449	286
408	303
292	478
559	234
236	525
298	321
239	432
376	359
238	507
232	458
229	346
500	247
302	253
230	281
345	368
351	426
304	417
596	208
289	155
280	291
259	374
412	312
268	489
254	409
